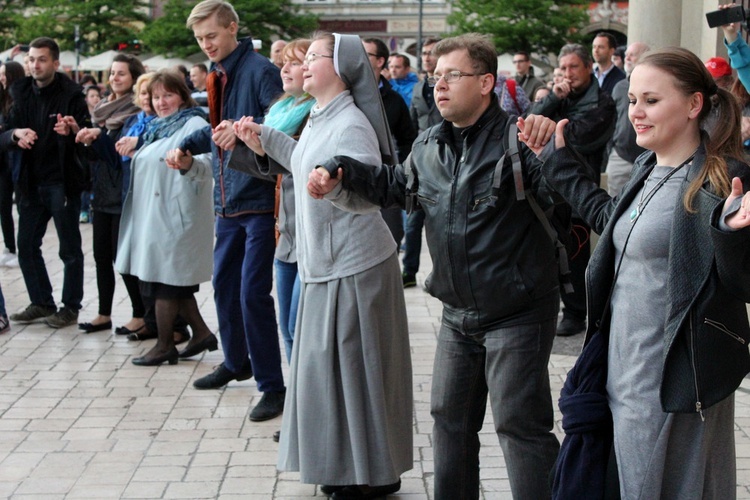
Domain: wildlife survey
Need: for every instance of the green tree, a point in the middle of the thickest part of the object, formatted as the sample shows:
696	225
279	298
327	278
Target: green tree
261	19
11	13
103	23
541	26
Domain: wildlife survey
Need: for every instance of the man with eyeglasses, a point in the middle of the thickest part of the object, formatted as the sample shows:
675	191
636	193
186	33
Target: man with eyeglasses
399	121
494	270
424	114
525	73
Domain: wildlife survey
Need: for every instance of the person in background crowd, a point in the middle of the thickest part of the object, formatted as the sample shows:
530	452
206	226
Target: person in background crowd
424	114
403	79
624	147
351	358
88	81
721	72
166	231
511	96
93	95
606	72
10	72
199	76
110	116
618	58
739	52
541	93
48	109
399	122
668	281
525	73
277	56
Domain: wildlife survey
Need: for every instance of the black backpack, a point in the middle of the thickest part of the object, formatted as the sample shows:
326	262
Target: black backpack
555	218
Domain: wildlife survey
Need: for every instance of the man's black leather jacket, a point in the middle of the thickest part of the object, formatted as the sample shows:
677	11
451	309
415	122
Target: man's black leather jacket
493	263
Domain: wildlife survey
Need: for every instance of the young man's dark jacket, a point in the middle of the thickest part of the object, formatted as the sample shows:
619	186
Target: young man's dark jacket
51	160
706	331
253	83
493	263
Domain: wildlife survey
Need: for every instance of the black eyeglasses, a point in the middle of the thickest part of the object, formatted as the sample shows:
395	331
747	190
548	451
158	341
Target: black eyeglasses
519	61
371	54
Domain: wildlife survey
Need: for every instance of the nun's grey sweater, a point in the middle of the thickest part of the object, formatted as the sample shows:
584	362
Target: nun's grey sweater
332	243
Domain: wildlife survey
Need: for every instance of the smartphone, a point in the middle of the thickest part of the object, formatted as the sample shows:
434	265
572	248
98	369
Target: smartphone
725	16
24	48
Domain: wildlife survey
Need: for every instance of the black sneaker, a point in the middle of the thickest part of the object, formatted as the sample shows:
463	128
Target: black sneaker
409	280
62	318
220	377
271	405
570	326
32	314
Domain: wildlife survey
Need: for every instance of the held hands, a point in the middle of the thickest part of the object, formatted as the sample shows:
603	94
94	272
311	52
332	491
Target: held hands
88	135
179	160
24	137
535	131
223	135
319	182
126	146
66	125
742	217
249	132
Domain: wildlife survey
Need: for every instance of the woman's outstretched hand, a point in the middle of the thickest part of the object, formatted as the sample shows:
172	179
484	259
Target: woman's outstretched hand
535	131
741	218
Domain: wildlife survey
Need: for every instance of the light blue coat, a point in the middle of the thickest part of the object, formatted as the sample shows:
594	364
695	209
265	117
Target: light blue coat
166	231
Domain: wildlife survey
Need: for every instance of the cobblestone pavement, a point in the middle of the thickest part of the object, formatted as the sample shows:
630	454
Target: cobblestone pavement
78	420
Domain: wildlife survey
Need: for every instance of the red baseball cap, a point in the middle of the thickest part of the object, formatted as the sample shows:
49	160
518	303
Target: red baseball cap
718	67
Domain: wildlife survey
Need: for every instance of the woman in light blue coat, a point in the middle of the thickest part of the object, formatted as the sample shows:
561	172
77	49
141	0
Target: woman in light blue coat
166	233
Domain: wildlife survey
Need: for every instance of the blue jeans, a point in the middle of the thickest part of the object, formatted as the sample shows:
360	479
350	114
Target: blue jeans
511	365
35	209
287	291
413	242
243	278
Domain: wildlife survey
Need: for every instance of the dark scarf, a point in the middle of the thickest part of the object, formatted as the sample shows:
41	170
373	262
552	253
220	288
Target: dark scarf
112	114
165	127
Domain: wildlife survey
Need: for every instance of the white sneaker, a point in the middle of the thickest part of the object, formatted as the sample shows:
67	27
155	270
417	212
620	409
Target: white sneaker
6	257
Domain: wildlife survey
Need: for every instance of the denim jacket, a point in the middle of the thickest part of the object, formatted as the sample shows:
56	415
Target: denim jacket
253	83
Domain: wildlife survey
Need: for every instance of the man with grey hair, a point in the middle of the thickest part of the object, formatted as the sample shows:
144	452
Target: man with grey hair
624	149
592	114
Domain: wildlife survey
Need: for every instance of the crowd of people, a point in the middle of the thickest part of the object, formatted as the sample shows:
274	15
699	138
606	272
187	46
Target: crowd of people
302	164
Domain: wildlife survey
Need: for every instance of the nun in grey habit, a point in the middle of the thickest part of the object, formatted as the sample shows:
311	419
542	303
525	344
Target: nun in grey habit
349	406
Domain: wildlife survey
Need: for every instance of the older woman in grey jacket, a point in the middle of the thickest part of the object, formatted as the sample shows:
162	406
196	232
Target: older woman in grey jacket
351	358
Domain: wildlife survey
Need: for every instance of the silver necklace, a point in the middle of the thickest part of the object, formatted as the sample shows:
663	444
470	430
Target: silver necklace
647	195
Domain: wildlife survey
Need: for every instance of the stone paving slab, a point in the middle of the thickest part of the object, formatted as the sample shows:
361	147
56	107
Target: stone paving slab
78	420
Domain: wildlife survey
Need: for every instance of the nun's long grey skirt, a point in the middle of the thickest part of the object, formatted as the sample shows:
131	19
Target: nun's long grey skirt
349	407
